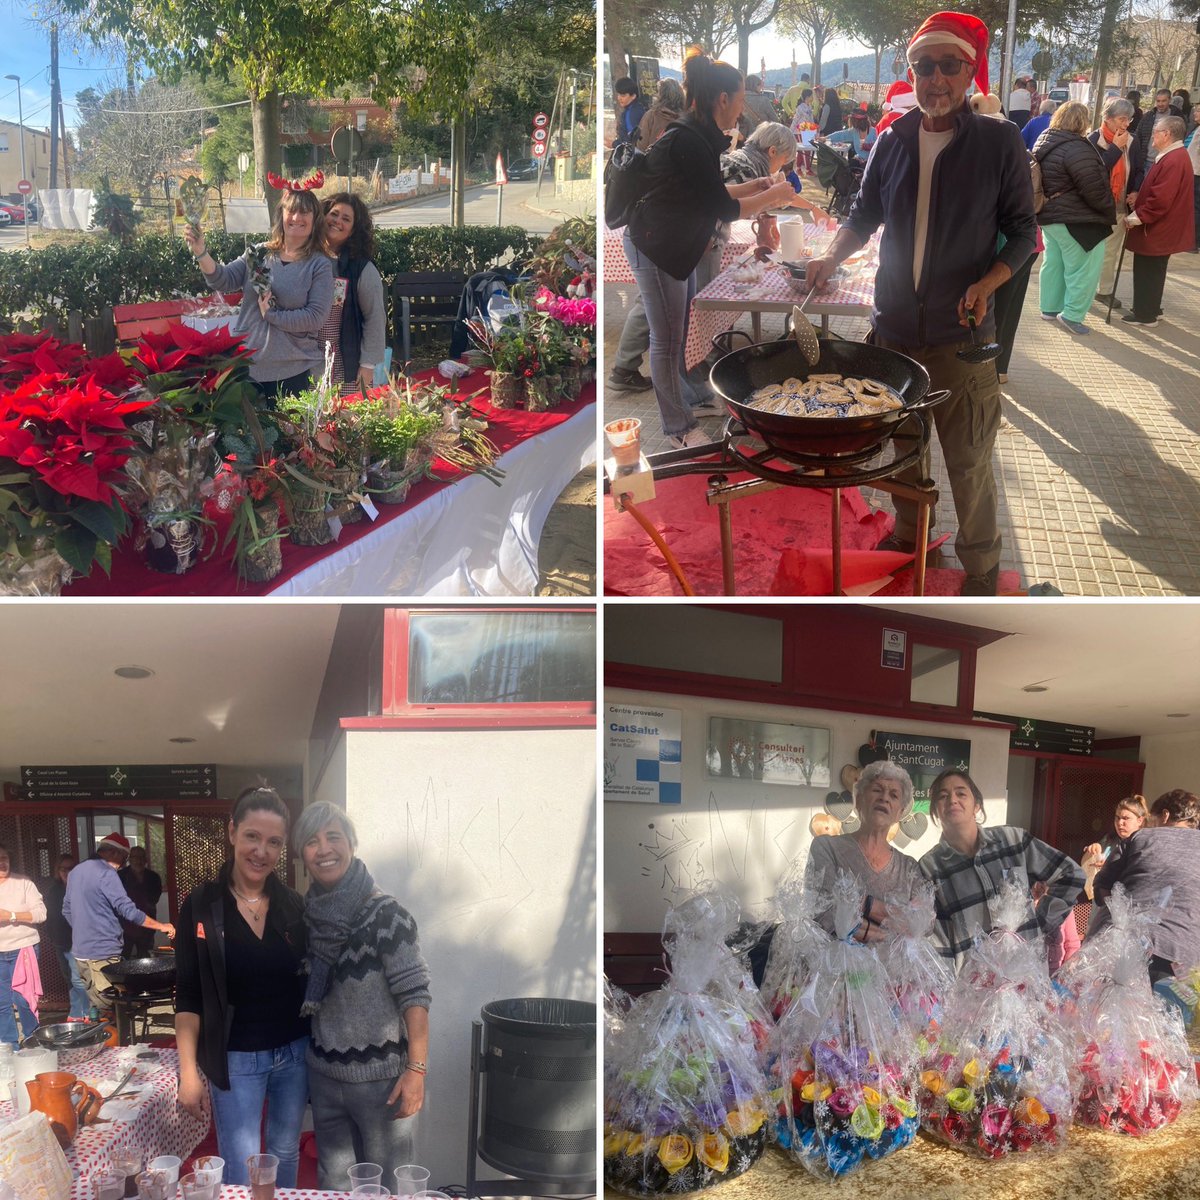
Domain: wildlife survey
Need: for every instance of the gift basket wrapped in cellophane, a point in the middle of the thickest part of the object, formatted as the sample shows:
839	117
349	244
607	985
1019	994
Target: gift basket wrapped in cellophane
686	1099
843	1070
995	1079
796	942
1129	1049
920	977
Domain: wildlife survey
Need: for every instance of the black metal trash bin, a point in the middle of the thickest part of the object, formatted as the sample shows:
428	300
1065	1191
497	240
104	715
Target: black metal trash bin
539	1089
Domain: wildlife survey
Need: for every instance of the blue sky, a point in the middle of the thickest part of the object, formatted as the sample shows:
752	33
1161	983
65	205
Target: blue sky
25	51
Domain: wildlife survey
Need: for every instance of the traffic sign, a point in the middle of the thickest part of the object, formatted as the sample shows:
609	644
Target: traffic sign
539	148
346	143
540	120
501	175
1043	60
243	162
24	187
539	135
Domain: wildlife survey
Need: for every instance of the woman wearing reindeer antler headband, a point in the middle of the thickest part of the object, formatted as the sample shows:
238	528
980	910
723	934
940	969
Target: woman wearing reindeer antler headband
287	290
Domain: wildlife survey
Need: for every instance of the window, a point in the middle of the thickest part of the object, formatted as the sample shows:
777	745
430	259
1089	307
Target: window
361	119
497	665
3	143
935	675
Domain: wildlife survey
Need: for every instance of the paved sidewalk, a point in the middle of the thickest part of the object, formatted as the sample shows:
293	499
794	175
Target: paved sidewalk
1098	462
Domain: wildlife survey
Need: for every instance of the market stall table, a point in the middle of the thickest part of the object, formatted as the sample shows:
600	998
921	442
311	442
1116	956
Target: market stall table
237	1192
718	306
742	240
458	535
1163	1165
153	1121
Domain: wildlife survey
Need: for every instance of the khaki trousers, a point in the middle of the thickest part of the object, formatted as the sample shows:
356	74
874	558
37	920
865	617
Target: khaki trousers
1112	250
91	972
966	426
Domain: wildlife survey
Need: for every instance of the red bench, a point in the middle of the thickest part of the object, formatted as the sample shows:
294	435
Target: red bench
156	316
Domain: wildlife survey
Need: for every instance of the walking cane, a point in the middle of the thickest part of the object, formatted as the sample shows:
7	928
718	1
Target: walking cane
1112	296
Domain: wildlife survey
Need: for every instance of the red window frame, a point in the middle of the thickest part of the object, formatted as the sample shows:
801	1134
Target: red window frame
400	713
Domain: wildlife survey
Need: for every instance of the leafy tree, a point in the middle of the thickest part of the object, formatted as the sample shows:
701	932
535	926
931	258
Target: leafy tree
815	23
749	16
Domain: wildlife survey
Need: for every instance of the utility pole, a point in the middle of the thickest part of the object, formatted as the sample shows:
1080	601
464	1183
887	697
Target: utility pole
574	92
55	104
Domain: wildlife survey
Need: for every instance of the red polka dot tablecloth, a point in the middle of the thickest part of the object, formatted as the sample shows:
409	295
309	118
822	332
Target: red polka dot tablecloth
719	305
154	1121
616	266
233	1192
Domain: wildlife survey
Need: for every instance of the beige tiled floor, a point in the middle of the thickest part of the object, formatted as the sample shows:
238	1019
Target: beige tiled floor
1099	461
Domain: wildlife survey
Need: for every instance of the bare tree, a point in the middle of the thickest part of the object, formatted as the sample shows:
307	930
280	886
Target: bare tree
749	16
1165	45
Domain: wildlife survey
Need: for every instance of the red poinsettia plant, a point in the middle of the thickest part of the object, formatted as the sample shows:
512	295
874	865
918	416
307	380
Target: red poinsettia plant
64	443
202	377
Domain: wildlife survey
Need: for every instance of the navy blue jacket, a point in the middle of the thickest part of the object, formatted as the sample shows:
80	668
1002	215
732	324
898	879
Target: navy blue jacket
628	120
981	188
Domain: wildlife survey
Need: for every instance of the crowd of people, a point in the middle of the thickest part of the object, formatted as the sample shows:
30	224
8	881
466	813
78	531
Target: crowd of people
312	283
1153	852
282	1001
949	179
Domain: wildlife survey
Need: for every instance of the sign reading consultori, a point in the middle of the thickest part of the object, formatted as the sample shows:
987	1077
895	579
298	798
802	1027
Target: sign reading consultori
767	753
643	750
924	758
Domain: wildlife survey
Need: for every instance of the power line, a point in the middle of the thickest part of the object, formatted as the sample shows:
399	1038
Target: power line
168	112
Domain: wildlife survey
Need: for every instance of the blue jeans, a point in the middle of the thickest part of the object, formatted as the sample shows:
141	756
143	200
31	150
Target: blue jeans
81	1006
668	303
8	998
280	1078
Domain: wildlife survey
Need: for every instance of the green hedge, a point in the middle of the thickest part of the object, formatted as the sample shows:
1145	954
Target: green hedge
95	271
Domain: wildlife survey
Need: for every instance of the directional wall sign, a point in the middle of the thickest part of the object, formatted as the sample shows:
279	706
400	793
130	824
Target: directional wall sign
1051	737
146	782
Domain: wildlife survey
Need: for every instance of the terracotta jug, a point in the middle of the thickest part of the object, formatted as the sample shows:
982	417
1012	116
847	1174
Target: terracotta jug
67	1101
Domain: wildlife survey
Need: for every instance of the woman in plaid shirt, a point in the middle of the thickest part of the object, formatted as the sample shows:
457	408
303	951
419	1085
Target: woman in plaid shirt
970	861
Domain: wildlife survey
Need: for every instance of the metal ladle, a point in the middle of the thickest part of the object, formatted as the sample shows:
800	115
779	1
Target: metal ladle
979	352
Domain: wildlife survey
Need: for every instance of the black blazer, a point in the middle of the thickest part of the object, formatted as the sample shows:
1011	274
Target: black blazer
200	981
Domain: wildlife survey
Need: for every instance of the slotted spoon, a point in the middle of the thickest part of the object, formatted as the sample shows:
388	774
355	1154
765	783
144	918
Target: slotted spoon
805	333
978	352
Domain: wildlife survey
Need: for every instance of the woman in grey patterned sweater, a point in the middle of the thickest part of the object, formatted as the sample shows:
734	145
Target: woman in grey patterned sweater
368	996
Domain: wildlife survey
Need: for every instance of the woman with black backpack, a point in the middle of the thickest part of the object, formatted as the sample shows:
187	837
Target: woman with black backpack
673	224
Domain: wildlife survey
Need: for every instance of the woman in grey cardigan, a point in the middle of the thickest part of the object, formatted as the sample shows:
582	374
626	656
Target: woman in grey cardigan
368	996
285	301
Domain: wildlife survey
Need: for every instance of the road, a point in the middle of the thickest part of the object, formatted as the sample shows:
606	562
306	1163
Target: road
541	217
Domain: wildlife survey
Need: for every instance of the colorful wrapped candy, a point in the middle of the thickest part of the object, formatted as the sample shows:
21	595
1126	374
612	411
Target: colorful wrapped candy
920	977
843	1071
994	1077
686	1100
796	942
1130	1049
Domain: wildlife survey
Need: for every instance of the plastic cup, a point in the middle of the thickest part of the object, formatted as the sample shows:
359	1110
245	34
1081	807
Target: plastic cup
376	1191
365	1172
191	1188
625	438
171	1165
410	1179
209	1169
262	1170
155	1185
107	1185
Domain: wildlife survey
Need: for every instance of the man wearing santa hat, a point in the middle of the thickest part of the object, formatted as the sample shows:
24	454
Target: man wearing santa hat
945	183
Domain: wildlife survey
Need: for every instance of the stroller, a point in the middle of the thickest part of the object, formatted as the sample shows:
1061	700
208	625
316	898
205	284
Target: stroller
839	179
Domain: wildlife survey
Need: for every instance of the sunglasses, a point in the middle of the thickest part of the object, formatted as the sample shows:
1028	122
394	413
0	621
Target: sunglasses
948	66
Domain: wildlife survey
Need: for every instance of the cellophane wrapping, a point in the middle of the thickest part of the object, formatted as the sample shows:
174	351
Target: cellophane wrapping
995	1080
843	1070
1129	1049
920	977
686	1099
797	941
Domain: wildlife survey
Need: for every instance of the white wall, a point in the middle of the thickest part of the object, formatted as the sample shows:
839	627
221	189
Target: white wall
745	835
1172	761
488	838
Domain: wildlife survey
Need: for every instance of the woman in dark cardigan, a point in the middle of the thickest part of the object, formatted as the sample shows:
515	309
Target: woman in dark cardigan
239	952
675	222
357	323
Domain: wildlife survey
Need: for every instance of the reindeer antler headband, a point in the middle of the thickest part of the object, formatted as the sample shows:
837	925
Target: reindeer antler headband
314	181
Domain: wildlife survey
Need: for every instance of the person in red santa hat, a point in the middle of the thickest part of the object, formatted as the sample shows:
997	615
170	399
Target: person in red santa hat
94	905
900	99
944	184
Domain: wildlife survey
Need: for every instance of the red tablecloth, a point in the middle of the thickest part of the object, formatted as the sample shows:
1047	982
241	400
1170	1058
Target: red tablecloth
216	575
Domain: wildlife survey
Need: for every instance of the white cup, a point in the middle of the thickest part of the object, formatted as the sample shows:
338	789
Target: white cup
791	239
170	1164
28	1065
411	1179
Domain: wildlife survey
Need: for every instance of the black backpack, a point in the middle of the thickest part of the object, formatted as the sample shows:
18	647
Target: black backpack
625	176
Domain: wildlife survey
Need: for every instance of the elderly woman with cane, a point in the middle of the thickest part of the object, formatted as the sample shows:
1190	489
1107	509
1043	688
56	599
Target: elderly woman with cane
368	996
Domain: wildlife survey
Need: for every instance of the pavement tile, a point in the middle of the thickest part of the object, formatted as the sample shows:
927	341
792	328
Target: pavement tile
1098	465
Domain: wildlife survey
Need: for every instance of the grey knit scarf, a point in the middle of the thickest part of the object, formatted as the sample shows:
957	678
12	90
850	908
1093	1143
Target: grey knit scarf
330	915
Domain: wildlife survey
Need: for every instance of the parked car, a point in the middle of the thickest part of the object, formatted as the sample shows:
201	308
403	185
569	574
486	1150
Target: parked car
5	219
1060	95
523	168
16	214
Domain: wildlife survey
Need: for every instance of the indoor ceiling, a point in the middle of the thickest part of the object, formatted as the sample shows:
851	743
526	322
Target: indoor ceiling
1119	667
242	679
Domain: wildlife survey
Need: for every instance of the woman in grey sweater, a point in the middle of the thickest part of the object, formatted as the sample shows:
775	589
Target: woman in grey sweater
368	996
285	302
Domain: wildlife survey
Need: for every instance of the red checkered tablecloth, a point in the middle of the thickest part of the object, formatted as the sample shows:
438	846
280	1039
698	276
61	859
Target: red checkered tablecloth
156	1123
616	266
719	305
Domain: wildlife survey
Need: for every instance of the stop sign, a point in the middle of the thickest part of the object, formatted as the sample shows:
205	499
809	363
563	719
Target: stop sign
24	187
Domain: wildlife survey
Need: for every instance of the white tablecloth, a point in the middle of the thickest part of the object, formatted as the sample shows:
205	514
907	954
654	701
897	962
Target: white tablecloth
472	539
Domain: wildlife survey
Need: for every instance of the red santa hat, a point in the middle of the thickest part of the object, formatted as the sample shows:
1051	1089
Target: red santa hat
900	97
114	841
962	30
